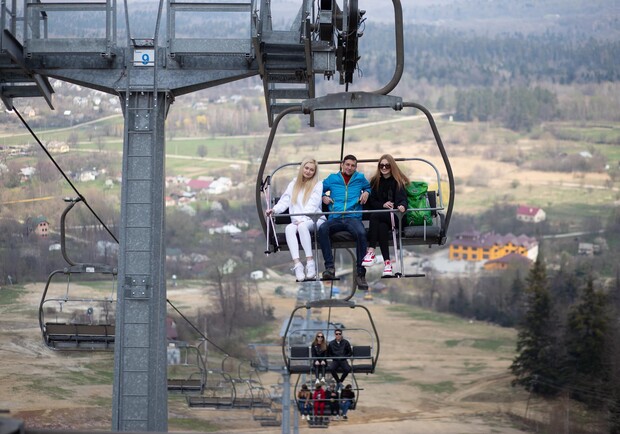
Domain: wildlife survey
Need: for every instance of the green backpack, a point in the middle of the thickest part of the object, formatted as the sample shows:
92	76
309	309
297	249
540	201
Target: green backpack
416	198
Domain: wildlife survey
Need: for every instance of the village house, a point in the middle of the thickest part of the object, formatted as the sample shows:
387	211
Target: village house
170	201
510	261
476	246
198	185
530	214
26	173
588	249
37	225
55	147
176	180
220	185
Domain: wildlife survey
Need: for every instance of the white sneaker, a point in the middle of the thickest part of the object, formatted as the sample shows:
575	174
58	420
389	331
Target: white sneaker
298	269
369	259
387	270
310	270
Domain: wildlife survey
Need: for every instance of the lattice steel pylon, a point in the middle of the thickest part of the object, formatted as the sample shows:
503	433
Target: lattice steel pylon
147	73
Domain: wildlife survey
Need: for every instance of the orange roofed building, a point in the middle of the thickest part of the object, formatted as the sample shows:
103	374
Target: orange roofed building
476	246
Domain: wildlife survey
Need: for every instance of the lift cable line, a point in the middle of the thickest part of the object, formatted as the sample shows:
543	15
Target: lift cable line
198	331
82	198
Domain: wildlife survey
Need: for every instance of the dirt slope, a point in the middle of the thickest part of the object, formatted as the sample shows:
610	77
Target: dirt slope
435	375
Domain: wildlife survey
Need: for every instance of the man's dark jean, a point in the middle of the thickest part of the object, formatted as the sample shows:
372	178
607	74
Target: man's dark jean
352	225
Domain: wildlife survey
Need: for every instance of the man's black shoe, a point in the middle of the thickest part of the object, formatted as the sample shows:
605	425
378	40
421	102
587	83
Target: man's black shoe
361	282
329	274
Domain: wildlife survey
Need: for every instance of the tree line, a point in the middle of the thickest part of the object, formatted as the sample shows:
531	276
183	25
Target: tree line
447	57
571	349
566	317
518	109
568	340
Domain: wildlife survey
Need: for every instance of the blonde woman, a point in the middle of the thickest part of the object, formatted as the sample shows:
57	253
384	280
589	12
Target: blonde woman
302	196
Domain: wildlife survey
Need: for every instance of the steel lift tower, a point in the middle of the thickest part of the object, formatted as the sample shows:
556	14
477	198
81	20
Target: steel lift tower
147	72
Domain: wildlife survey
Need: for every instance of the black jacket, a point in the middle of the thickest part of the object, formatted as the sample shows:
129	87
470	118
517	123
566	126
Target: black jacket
342	349
317	352
388	190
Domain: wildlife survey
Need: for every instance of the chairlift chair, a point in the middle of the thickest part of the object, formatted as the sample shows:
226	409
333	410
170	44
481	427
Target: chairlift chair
440	206
297	355
186	369
69	321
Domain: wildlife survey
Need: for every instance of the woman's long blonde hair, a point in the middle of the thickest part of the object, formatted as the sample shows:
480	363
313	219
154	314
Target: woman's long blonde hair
301	185
400	177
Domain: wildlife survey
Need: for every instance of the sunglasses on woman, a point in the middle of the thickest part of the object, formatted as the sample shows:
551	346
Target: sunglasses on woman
384	166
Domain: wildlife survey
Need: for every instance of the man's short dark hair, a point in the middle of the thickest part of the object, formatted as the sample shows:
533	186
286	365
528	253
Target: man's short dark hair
338	330
349	157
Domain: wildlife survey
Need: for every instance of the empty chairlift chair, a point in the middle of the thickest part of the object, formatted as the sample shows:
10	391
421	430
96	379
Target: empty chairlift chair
77	313
186	369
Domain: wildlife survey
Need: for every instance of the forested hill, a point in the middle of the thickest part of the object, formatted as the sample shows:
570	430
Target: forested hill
464	58
596	18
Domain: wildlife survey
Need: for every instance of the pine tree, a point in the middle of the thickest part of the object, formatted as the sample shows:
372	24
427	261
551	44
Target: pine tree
613	355
586	334
538	360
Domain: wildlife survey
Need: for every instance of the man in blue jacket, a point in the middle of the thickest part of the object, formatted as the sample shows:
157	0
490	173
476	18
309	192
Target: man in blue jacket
345	191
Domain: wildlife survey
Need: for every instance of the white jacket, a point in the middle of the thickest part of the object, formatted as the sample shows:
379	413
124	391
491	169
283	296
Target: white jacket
312	206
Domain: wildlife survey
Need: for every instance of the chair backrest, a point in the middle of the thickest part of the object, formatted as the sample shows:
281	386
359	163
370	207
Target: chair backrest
432	201
299	352
362	361
299	361
280	219
362	351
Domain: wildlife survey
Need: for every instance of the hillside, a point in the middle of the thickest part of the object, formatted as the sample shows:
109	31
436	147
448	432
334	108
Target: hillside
436	373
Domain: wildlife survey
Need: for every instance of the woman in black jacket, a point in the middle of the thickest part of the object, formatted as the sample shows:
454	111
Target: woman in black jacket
387	192
319	354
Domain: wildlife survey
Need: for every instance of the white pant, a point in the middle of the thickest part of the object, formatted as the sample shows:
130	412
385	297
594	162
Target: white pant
305	229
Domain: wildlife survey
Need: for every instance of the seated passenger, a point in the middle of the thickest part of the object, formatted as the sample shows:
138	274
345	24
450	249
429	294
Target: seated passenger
346	190
319	353
331	395
388	192
319	400
304	397
303	195
339	349
346	400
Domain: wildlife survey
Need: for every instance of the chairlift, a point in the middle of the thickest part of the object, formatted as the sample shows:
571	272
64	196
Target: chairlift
186	369
71	321
440	206
249	390
231	387
270	416
218	392
323	420
297	354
